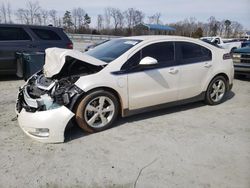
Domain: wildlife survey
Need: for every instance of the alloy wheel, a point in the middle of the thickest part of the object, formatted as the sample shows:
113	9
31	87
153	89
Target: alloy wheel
217	90
99	112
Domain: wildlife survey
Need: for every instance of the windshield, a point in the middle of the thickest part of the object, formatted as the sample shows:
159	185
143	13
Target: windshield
113	49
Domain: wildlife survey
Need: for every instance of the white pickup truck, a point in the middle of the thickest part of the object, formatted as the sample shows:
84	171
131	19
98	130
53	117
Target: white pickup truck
226	43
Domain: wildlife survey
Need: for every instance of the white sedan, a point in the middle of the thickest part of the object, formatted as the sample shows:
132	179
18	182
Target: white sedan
121	77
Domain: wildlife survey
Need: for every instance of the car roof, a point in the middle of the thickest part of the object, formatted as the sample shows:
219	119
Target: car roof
33	26
154	38
159	37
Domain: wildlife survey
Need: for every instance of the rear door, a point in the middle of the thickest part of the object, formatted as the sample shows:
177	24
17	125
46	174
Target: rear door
149	86
12	40
195	63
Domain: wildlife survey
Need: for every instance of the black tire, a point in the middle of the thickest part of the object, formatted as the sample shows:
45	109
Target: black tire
93	99
209	98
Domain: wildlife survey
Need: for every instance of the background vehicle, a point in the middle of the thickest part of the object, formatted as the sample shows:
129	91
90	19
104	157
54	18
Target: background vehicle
121	77
245	43
27	38
230	45
90	47
241	59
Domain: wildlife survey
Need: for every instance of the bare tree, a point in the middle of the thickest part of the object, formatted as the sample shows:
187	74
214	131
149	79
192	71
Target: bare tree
59	22
33	9
78	17
114	16
74	18
236	28
128	16
133	17
38	19
9	12
213	26
3	13
155	19
138	17
99	22
120	18
107	17
23	16
117	17
44	16
53	17
192	25
221	27
20	15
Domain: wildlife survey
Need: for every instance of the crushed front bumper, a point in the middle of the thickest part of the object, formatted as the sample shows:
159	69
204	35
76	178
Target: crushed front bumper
51	124
46	126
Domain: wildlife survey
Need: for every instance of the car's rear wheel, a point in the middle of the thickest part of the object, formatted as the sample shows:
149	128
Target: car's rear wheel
216	91
97	111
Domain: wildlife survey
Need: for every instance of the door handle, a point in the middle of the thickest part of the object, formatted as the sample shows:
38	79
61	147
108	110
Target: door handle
207	65
173	71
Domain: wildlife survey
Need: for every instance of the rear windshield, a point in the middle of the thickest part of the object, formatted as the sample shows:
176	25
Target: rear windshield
13	33
45	34
113	49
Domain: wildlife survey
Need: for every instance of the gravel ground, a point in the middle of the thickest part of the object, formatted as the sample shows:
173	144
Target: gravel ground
194	145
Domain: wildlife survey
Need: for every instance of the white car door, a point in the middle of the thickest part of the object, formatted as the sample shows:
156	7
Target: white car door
195	64
152	85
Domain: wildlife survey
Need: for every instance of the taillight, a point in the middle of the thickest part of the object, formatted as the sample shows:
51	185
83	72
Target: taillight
70	45
227	56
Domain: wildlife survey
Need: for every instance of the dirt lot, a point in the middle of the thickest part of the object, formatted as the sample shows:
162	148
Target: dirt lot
187	146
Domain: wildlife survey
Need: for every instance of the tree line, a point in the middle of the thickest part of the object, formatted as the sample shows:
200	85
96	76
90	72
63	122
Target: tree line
115	21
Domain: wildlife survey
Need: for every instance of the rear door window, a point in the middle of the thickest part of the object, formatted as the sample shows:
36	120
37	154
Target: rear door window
192	53
13	33
45	34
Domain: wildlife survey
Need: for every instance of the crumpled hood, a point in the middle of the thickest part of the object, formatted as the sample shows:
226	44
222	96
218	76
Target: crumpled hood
55	59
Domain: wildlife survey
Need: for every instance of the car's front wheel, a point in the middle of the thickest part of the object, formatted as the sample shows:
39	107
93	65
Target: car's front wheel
97	111
216	91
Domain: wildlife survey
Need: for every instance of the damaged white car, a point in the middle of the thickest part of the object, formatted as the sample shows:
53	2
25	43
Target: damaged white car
120	77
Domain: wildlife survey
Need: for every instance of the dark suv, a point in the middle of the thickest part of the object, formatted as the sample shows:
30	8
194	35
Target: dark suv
27	38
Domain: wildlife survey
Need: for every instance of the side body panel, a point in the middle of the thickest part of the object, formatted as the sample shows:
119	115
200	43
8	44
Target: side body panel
152	87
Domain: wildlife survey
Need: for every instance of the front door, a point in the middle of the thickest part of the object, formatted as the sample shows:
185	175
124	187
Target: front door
153	85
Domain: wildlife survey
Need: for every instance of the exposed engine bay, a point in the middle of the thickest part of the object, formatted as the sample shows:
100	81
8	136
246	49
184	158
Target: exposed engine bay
42	93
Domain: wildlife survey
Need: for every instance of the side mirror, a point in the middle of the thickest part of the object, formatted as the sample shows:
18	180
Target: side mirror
147	61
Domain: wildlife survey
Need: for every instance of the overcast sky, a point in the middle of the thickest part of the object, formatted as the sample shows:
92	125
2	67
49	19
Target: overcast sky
171	10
